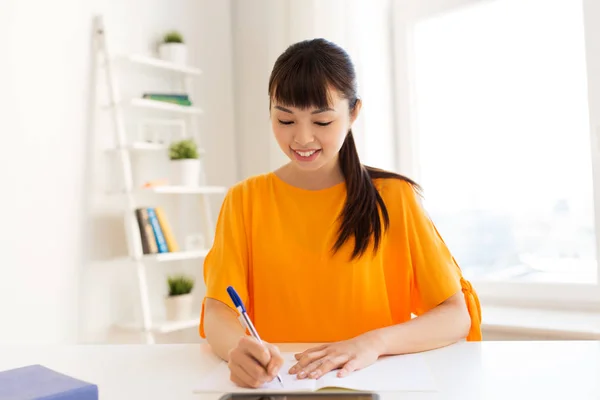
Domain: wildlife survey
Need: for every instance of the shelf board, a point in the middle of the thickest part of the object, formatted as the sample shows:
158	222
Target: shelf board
175	256
147	146
165	326
165	106
154	62
185	189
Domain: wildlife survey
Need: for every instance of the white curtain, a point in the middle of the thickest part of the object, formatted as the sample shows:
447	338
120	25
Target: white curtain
262	31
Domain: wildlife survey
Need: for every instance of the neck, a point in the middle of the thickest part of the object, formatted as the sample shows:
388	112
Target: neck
327	176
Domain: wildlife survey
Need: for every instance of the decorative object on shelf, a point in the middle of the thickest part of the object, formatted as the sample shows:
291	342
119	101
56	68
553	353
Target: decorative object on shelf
181	99
155	231
155	183
195	241
185	163
179	301
173	49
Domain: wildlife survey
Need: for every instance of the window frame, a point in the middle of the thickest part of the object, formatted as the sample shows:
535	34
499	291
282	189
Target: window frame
405	13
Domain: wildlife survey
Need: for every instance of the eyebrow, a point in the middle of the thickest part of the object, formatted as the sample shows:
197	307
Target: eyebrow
321	110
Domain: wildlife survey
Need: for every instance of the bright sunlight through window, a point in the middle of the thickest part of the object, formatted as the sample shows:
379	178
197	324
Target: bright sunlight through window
503	139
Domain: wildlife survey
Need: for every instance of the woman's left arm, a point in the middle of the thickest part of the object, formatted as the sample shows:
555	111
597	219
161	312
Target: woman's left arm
443	325
437	299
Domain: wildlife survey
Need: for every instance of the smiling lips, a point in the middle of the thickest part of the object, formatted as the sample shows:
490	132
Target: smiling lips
306	155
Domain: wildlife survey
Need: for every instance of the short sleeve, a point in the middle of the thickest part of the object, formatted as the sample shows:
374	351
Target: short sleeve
226	263
436	275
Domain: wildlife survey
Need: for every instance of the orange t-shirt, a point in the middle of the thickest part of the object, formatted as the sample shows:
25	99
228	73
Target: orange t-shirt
273	245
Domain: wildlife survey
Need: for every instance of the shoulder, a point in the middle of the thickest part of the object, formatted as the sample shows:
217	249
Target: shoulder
397	191
241	197
249	187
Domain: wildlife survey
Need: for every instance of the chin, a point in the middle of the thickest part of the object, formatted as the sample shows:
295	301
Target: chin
307	166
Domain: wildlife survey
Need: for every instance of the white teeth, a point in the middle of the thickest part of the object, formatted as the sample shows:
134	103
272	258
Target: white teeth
306	153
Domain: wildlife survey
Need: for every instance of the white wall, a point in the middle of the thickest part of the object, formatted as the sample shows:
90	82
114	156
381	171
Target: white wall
50	290
256	40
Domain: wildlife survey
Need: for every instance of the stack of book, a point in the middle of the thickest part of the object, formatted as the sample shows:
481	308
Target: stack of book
39	382
180	99
155	231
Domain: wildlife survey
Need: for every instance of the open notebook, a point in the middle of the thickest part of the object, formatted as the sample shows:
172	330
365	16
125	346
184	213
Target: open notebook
407	372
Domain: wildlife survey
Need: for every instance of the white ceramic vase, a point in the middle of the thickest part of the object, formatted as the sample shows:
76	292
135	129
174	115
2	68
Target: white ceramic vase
185	172
178	308
173	52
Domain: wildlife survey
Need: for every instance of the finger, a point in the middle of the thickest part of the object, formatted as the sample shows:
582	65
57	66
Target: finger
256	350
351	366
241	377
249	364
308	358
329	364
307	351
254	369
276	361
238	382
305	371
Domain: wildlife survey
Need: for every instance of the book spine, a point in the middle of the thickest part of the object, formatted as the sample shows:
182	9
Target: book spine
158	234
166	229
176	99
146	232
177	96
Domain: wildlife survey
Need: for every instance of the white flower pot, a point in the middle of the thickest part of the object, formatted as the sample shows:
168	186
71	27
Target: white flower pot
178	308
173	52
185	172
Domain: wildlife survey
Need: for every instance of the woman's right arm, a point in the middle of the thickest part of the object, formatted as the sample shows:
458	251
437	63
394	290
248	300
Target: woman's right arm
251	363
226	264
222	328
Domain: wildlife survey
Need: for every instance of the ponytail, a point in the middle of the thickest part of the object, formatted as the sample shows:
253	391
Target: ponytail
360	216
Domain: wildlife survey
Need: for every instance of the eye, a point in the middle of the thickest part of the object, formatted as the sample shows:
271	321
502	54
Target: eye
323	123
285	122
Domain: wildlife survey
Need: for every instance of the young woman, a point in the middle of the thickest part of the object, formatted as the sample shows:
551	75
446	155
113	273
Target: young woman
325	249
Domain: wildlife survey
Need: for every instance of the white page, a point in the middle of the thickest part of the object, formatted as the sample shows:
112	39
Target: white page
407	372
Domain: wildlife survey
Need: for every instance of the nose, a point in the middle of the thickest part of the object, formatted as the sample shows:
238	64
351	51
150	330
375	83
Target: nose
303	136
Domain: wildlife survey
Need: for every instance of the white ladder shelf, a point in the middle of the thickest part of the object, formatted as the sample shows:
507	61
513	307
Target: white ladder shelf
149	325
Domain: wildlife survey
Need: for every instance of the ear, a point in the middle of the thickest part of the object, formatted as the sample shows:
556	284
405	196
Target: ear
356	111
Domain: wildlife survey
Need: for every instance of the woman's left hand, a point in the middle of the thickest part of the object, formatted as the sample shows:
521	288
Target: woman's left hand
348	356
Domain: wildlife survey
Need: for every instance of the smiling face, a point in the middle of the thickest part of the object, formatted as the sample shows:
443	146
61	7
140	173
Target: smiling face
312	137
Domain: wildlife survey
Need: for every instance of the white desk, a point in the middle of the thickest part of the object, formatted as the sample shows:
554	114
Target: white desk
465	371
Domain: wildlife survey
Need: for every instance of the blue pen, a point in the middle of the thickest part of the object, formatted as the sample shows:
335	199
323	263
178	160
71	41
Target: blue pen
237	302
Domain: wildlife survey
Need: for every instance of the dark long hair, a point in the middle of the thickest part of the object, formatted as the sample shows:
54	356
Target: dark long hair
301	78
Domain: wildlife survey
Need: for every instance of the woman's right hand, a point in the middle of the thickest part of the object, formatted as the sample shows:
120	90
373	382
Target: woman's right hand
252	364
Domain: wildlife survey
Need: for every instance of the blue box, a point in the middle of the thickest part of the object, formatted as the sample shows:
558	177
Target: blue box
38	382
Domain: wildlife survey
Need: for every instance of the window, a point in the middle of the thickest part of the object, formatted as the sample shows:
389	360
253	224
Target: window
501	138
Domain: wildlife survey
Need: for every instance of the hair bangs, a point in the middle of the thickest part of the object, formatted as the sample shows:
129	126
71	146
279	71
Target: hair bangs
301	83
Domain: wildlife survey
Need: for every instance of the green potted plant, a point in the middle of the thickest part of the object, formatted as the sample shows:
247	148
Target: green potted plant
185	163
178	303
173	48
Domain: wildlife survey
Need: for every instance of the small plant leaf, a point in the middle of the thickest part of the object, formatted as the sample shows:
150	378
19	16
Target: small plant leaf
173	37
183	149
180	284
